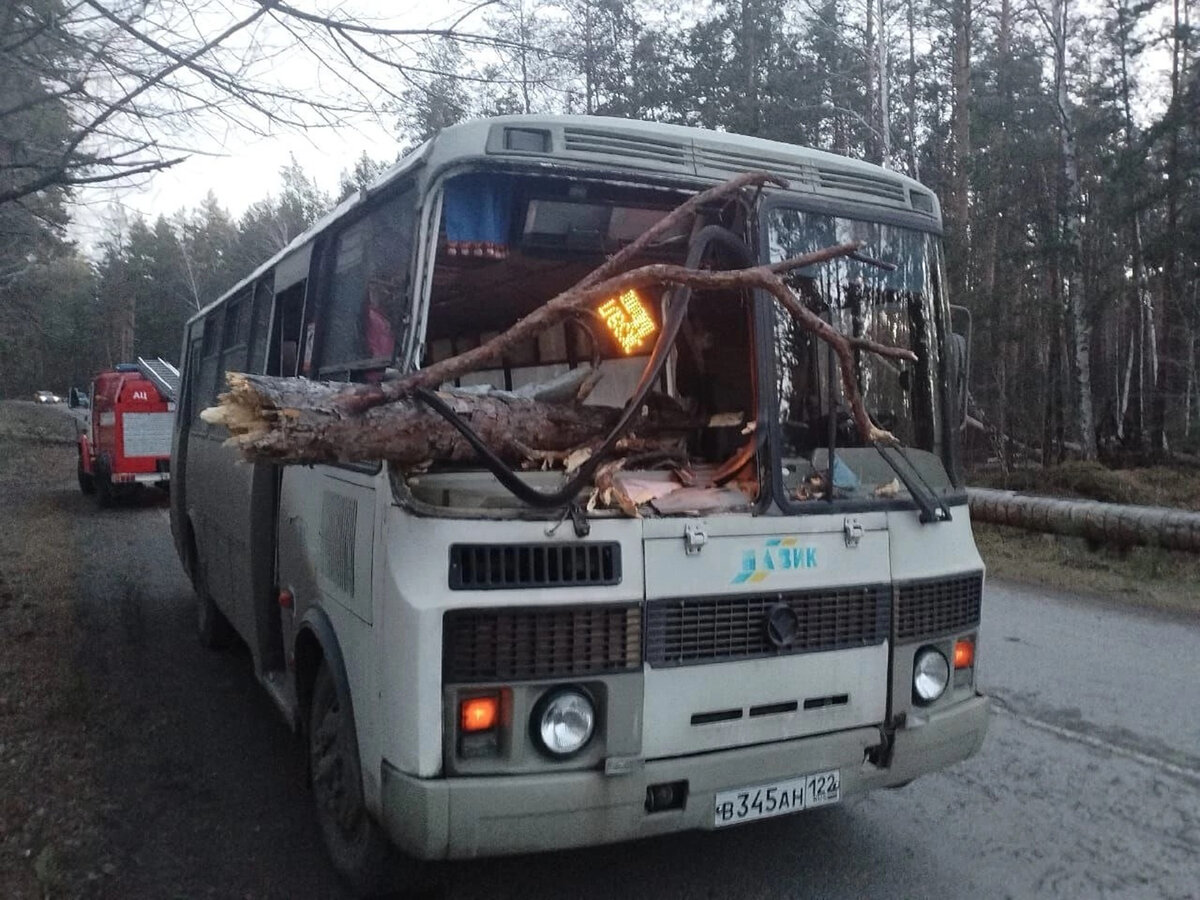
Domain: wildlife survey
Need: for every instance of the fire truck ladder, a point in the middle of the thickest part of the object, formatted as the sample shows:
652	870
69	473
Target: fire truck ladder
164	376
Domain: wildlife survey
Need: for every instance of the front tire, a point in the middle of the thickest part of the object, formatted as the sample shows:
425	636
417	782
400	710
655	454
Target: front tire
87	483
105	492
212	627
357	846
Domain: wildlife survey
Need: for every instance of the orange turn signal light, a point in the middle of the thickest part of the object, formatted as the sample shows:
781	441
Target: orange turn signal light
479	714
964	654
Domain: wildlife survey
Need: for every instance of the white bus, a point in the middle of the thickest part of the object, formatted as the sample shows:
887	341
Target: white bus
479	674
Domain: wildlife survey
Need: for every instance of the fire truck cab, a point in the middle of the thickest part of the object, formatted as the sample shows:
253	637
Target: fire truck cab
125	440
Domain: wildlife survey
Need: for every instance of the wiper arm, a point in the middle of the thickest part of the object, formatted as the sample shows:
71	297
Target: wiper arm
872	261
932	507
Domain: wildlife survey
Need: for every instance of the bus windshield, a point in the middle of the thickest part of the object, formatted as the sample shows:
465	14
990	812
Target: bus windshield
901	308
509	243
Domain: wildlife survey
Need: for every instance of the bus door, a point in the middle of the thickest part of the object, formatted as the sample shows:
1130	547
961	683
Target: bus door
327	512
283	351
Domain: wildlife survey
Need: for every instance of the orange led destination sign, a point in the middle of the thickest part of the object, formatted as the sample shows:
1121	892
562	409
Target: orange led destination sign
628	320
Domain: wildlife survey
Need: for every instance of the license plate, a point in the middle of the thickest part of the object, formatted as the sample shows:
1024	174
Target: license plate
778	798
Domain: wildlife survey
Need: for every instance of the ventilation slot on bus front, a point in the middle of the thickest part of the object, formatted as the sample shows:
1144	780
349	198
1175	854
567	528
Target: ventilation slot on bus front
625	146
937	607
715	629
508	645
482	567
733	162
862	186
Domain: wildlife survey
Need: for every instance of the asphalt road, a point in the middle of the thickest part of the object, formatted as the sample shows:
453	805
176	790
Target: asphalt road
1088	784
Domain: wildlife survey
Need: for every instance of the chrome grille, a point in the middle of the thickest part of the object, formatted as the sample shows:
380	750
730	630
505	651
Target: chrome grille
527	644
484	567
938	606
693	631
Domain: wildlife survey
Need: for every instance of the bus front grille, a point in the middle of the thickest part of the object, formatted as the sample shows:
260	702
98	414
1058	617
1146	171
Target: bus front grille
525	644
484	567
694	631
938	606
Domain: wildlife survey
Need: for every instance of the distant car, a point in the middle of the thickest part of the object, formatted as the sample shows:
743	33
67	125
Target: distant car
46	397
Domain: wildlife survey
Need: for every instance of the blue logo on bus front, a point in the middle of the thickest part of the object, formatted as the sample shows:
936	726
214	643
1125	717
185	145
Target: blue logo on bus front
776	554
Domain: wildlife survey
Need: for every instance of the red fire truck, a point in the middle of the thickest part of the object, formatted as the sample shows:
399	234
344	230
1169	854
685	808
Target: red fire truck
126	439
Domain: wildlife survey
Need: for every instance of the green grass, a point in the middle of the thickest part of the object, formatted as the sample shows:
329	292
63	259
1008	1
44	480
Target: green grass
1174	485
1143	576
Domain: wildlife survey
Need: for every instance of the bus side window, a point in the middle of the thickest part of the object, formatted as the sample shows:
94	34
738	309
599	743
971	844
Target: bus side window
204	386
260	323
368	292
190	368
235	337
286	331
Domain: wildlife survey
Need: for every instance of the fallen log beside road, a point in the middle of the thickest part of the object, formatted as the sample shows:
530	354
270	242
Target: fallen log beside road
1107	523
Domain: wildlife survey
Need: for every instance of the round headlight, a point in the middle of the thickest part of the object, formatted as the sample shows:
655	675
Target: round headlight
931	674
563	722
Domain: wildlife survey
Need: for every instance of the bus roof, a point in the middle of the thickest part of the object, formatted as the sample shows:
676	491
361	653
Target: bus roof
587	143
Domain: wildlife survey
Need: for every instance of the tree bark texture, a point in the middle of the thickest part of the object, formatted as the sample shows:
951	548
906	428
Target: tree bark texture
1105	523
959	205
294	420
1078	328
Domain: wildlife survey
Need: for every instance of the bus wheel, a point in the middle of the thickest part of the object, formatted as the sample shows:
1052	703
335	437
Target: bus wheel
357	845
212	627
87	483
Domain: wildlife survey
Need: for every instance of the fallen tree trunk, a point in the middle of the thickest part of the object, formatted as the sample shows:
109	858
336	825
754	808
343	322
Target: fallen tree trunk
294	420
1103	523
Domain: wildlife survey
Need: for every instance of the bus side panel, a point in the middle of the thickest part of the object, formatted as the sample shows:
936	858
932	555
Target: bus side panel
327	530
188	364
213	486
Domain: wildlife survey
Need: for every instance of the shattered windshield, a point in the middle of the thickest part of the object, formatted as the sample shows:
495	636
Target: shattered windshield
510	243
899	307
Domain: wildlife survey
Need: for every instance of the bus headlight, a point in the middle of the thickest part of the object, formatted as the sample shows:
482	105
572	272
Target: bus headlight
563	721
931	674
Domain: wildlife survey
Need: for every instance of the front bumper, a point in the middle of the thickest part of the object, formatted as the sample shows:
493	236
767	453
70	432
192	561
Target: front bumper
141	477
465	817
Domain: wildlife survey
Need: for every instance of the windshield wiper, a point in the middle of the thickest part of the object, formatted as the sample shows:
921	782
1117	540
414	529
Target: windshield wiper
872	261
932	507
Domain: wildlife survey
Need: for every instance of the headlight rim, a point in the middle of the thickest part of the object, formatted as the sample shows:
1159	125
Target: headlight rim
926	652
539	712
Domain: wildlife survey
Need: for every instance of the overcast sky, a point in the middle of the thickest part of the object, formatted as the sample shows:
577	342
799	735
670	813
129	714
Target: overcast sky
241	166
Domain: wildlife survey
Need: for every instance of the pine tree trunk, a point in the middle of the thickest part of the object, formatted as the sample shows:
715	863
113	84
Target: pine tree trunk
914	168
1167	384
295	420
959	205
885	97
1078	328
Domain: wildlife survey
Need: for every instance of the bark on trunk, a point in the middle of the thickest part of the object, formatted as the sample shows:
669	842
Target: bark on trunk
1167	383
1105	523
959	206
1078	329
294	420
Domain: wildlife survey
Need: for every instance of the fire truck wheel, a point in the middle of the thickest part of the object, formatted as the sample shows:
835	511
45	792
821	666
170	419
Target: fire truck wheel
358	847
213	628
87	483
105	492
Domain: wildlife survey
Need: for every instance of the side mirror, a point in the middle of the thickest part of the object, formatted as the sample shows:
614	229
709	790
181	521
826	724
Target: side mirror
73	398
960	361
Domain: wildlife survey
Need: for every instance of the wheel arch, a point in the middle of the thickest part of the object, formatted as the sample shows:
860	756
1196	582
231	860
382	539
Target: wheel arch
316	643
85	452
